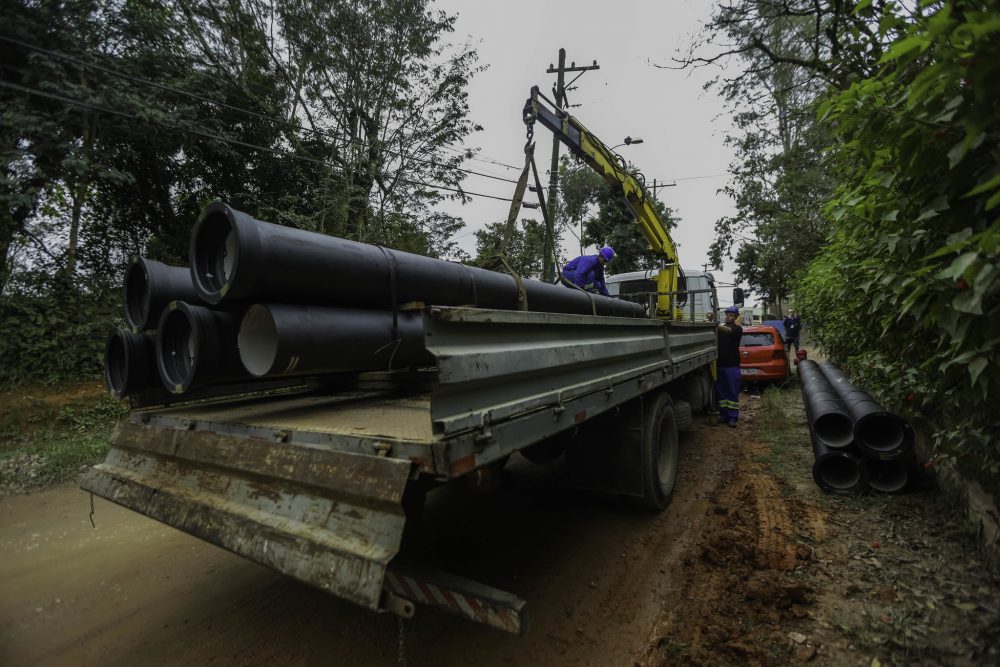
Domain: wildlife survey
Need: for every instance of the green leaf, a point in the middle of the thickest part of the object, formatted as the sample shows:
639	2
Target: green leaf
956	153
992	202
980	29
968	302
958	266
905	46
984	186
927	214
861	6
976	367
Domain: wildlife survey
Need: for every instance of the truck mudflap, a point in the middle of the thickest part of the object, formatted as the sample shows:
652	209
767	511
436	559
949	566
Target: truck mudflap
330	519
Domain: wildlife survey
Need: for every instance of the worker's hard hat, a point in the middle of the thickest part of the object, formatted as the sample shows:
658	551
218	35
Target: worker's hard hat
607	253
733	309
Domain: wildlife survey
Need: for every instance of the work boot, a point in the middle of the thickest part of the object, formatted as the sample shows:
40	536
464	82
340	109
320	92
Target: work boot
732	423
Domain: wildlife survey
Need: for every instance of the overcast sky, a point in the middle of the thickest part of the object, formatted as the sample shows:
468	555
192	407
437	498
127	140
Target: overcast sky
682	126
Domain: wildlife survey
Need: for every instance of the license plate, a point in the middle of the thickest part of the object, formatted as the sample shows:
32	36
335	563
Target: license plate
749	371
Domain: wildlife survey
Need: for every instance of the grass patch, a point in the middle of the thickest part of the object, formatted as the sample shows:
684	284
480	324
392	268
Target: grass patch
778	428
49	435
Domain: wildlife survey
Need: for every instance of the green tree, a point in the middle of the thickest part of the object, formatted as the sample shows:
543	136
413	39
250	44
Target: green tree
376	81
524	249
586	199
338	117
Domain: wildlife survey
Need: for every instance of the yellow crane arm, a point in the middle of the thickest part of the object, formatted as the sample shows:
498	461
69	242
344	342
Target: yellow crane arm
586	146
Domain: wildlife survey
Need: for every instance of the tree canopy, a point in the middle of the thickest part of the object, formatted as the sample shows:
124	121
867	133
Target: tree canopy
121	120
598	209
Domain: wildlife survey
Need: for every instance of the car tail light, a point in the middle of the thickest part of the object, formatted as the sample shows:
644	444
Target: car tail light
778	354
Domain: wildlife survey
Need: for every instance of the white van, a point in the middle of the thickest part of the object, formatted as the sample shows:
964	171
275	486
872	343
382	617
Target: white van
634	282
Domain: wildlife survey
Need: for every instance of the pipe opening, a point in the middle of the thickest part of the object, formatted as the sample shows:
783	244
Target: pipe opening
880	433
886	476
834	430
258	340
116	364
216	252
137	296
840	473
178	356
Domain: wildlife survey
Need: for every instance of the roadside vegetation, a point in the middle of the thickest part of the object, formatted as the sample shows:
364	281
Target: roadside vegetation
867	191
49	435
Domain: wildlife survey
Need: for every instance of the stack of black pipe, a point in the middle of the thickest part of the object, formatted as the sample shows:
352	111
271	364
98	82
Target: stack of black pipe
264	301
857	444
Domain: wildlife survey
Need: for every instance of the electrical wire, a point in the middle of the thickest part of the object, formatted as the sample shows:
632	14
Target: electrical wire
248	112
279	121
216	137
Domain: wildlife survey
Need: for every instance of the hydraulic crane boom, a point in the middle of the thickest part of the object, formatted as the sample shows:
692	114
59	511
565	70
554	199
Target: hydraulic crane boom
608	164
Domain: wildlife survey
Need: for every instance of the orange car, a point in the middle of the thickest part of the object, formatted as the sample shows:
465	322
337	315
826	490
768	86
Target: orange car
762	355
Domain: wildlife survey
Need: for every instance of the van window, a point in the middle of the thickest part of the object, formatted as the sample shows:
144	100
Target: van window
634	286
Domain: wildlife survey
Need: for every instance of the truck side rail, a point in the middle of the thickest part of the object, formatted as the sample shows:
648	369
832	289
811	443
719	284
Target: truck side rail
508	379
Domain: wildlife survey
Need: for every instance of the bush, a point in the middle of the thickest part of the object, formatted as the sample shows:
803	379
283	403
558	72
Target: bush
907	292
52	331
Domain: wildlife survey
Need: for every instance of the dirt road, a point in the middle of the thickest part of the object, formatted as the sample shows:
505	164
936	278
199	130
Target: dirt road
591	570
742	568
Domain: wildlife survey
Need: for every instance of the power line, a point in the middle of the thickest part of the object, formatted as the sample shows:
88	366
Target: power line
696	178
248	112
215	137
484	159
459	190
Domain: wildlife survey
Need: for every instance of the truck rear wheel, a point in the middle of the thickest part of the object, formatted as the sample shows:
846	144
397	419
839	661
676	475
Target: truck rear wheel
659	453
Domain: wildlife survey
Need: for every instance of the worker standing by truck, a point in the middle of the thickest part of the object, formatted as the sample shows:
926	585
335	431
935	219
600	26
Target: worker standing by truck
727	380
588	270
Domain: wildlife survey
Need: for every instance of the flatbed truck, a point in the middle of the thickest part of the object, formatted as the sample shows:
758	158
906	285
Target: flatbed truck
316	479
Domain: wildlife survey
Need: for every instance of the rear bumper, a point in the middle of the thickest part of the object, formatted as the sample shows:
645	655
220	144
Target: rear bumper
776	370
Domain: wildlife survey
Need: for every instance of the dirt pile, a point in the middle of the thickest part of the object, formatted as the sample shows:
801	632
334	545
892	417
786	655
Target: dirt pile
745	594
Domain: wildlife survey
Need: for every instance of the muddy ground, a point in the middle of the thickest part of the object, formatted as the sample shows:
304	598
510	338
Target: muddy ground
750	564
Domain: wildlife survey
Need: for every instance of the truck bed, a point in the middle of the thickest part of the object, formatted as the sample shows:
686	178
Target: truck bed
312	484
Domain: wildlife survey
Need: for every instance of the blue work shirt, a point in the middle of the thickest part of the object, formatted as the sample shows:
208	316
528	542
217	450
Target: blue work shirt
586	270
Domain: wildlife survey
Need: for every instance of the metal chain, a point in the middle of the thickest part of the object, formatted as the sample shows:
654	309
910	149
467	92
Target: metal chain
528	116
401	648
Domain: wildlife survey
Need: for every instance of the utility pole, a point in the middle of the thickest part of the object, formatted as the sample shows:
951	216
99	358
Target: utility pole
548	267
657	186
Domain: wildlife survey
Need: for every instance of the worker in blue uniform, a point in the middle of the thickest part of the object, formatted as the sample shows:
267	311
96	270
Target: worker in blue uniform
587	271
727	379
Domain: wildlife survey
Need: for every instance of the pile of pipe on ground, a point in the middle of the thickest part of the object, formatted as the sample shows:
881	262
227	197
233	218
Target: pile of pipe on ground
264	301
857	444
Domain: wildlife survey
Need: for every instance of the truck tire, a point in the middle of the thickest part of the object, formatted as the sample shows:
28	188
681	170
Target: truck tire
659	452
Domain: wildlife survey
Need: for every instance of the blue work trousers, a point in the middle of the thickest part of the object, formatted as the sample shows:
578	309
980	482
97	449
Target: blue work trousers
727	387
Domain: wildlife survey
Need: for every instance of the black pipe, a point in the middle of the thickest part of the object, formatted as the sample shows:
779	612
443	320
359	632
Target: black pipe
284	340
877	432
828	419
149	287
837	471
886	476
235	257
129	362
196	346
